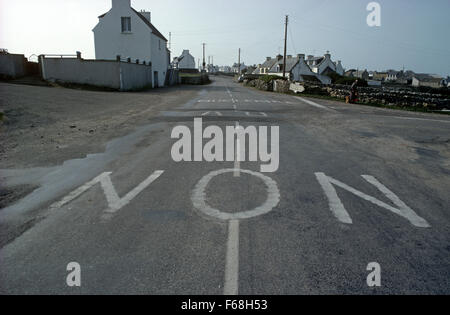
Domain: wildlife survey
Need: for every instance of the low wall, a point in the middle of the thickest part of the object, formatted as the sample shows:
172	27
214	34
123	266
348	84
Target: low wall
12	65
401	97
199	79
100	73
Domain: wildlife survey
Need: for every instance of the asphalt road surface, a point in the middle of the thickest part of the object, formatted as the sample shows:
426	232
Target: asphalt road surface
355	185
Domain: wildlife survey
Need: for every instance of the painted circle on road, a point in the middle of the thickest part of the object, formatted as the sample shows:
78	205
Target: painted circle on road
199	197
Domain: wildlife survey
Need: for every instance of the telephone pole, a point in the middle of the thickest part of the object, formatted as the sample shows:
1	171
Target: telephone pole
170	40
204	60
285	46
239	62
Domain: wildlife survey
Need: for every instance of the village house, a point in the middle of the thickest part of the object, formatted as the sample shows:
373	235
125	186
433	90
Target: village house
324	65
267	65
421	79
380	76
359	74
300	69
236	69
185	62
127	33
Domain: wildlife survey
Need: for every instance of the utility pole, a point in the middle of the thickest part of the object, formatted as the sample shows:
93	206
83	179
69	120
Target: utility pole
204	60
285	46
239	62
170	40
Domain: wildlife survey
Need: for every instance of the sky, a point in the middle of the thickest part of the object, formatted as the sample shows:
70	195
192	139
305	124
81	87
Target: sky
413	33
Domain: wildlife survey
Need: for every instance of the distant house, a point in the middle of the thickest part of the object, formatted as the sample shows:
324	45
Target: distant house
125	32
225	69
446	82
421	79
235	68
324	65
185	61
267	65
300	69
393	75
380	76
359	74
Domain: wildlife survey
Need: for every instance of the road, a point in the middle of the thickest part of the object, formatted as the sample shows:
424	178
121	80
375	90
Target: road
355	185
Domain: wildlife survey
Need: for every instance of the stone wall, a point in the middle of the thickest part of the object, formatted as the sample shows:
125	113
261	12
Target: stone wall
199	79
389	96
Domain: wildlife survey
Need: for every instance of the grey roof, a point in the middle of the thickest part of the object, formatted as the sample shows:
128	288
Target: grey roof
290	64
147	22
269	63
426	77
152	27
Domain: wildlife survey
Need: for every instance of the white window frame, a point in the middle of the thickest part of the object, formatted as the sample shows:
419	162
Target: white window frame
125	24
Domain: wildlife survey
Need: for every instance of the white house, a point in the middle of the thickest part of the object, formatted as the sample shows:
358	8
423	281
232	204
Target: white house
185	61
324	65
428	80
236	69
126	32
267	65
297	69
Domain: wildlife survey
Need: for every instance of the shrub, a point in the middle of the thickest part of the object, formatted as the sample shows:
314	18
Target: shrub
270	78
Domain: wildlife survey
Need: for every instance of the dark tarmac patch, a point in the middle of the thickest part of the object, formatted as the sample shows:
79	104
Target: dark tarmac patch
10	195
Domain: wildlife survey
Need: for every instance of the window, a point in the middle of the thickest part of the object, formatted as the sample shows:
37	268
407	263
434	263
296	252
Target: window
126	24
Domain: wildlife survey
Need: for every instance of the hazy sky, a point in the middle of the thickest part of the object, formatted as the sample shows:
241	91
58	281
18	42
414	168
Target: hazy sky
413	34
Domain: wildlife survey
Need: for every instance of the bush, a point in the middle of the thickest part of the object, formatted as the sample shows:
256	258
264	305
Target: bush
270	78
342	80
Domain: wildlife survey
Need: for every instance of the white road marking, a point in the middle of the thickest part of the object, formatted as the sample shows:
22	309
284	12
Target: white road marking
231	286
335	203
237	156
199	197
115	203
314	104
341	213
216	113
260	113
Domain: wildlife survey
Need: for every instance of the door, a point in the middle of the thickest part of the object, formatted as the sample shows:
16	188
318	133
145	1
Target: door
155	79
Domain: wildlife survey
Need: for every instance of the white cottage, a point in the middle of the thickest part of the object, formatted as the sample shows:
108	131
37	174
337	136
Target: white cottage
126	32
185	61
324	65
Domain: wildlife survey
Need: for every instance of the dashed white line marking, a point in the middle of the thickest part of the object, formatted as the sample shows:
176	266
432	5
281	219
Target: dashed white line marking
216	113
314	104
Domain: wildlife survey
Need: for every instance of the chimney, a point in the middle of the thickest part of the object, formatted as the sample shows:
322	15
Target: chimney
121	4
268	58
289	56
147	15
279	57
328	55
301	56
310	57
